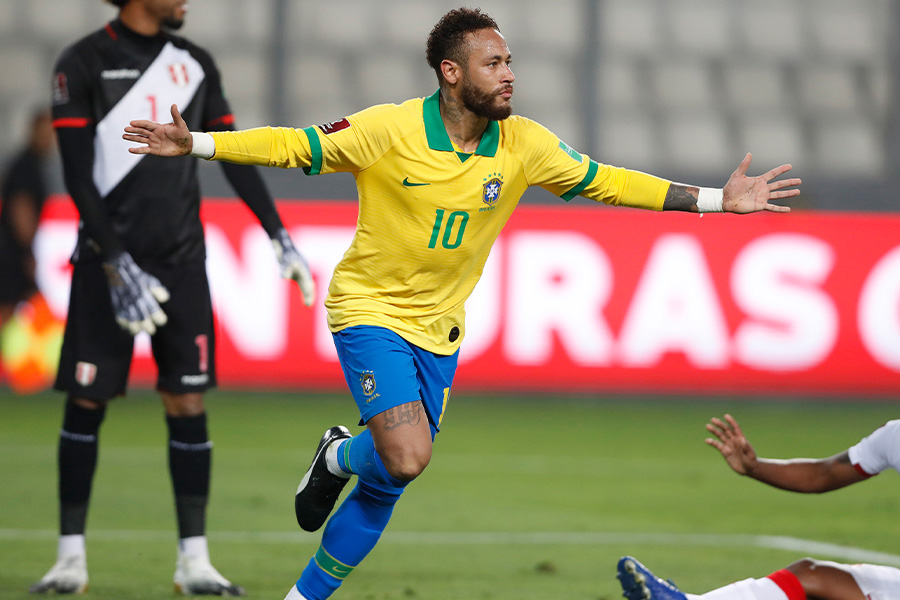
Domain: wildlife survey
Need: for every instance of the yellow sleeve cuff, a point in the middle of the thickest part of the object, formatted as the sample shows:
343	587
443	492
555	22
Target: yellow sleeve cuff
283	147
641	190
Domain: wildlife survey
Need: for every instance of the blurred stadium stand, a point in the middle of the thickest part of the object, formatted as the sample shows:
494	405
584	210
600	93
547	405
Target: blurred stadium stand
679	88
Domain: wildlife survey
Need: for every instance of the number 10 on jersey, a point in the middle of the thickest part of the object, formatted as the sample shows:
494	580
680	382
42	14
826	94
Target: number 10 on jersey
458	215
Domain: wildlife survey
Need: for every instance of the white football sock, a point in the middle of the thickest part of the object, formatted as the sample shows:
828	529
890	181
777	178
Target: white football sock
195	546
748	589
331	459
70	544
294	594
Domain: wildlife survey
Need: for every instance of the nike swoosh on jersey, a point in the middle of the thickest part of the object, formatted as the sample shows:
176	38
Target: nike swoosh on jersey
408	183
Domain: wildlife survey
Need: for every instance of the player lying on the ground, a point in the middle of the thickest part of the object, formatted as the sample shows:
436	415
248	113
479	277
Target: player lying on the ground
805	578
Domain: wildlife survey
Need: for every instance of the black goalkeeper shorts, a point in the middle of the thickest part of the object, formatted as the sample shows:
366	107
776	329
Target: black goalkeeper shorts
96	351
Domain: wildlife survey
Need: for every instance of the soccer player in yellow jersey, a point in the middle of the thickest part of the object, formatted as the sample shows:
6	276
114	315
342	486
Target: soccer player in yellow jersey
437	178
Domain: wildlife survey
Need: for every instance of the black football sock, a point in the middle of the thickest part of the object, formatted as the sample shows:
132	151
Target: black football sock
77	461
190	458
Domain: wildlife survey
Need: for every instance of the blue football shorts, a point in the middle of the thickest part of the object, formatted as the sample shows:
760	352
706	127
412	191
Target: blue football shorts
384	371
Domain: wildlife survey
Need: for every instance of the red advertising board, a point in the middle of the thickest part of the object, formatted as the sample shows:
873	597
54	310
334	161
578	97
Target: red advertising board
579	298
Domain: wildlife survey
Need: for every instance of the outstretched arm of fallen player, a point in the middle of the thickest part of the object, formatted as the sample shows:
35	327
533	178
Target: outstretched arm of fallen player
804	475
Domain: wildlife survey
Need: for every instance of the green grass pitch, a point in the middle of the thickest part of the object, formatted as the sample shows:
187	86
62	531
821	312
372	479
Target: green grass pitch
526	498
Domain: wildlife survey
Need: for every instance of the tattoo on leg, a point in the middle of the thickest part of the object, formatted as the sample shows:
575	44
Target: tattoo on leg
405	414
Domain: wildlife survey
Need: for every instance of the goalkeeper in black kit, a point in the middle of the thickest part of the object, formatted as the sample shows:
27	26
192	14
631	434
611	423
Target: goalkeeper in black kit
139	265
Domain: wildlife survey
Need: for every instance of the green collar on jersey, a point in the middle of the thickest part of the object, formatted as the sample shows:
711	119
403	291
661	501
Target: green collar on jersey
437	133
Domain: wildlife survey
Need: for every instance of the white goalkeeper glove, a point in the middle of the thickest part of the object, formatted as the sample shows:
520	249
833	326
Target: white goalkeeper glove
135	295
293	265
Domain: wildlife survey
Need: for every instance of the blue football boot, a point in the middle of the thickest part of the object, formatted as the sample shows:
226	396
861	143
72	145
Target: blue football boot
638	583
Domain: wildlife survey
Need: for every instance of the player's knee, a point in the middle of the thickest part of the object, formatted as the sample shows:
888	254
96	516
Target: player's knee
87	403
182	405
802	566
806	572
409	463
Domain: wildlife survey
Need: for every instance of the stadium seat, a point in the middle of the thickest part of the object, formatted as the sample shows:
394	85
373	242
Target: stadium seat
807	81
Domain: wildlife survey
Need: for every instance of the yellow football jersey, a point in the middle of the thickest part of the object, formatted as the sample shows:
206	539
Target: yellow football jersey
429	214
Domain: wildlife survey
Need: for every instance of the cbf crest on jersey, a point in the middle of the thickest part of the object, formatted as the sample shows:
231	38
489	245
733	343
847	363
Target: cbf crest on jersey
367	381
491	188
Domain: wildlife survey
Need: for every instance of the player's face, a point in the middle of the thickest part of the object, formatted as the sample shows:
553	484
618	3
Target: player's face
169	12
486	87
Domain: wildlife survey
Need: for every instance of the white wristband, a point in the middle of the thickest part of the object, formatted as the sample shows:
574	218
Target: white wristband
710	200
204	145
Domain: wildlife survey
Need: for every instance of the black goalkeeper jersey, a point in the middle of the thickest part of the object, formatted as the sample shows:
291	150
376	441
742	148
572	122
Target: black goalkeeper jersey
150	205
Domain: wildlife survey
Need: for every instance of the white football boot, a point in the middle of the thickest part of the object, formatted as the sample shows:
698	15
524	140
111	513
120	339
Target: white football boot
195	576
68	576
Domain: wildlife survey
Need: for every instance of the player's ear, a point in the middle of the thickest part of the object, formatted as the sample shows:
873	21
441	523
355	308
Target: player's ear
451	71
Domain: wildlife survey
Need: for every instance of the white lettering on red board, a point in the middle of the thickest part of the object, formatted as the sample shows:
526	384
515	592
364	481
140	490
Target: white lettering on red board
791	323
878	315
545	292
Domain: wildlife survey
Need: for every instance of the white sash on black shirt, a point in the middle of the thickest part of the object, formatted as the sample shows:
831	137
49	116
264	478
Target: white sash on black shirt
172	78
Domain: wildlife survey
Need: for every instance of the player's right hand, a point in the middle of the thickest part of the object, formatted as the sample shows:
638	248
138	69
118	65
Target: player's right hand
169	139
136	295
731	442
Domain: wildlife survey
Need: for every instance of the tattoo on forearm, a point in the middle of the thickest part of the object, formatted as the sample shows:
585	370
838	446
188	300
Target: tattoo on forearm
681	197
405	414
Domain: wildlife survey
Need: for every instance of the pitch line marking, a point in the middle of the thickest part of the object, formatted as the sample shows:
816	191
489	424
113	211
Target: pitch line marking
802	546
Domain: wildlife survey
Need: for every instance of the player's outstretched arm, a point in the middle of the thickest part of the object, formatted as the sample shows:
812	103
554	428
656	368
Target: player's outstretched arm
741	194
169	139
804	475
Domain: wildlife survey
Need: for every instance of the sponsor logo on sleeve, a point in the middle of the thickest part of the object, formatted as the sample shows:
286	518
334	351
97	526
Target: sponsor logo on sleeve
60	91
334	126
568	150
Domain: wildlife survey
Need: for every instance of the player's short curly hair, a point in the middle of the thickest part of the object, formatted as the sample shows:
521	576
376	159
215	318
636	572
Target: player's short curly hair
119	3
447	39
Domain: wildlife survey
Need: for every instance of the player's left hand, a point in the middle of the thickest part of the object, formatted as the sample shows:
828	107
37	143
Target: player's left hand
744	194
293	265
